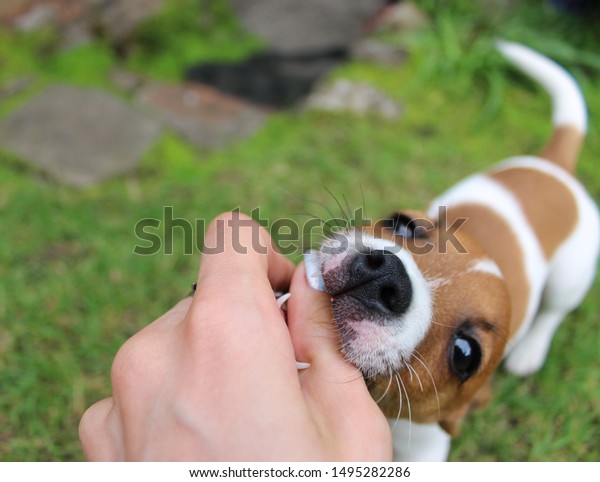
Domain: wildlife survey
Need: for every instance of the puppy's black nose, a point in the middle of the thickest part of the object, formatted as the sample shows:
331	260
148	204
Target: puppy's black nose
380	282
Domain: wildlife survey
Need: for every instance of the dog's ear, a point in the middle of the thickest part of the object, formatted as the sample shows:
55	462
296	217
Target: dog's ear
453	421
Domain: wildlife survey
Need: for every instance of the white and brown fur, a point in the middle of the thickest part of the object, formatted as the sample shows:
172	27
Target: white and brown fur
531	241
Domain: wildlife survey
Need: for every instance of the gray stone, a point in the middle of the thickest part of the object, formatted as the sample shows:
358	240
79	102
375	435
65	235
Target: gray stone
10	8
371	50
203	115
127	81
78	136
404	16
293	26
75	34
15	87
119	19
38	17
79	21
353	97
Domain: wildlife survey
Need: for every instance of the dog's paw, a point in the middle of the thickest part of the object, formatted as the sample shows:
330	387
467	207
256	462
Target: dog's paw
527	357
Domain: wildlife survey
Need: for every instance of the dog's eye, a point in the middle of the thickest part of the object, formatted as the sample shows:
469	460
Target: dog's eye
466	356
405	226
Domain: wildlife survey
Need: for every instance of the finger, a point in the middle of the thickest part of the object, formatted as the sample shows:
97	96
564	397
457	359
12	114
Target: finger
334	386
241	258
97	438
234	318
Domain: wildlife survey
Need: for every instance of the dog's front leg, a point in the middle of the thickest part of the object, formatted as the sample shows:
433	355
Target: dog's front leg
417	442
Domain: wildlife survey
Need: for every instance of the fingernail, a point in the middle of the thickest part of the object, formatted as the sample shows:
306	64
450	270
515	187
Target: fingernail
313	270
302	365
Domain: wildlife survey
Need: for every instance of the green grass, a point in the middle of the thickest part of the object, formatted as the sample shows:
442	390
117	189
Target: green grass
71	291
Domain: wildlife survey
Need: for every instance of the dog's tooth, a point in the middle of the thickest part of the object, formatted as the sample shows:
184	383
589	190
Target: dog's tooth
313	270
281	299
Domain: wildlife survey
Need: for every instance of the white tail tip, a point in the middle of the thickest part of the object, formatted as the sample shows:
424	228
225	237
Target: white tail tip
568	103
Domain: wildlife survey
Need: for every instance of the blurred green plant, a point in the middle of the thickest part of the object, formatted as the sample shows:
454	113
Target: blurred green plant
459	50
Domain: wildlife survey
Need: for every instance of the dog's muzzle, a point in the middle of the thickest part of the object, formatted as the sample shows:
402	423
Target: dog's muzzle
379	281
381	302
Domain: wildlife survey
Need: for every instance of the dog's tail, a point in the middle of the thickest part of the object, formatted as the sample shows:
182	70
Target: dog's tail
569	113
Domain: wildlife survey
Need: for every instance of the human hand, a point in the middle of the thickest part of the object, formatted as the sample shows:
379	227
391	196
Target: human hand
215	379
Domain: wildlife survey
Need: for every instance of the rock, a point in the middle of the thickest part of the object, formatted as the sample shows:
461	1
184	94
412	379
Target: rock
305	39
353	97
76	34
34	14
15	86
203	115
71	19
403	16
40	16
127	81
78	136
292	26
119	19
79	21
371	50
10	8
267	78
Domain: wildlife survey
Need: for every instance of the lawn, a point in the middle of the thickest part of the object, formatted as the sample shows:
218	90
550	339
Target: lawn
71	289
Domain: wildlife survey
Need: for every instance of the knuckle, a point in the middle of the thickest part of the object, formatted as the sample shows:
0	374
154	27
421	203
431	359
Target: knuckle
128	367
85	424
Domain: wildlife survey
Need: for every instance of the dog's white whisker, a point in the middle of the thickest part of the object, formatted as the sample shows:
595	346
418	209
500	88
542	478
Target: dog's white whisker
408	408
421	360
386	389
412	370
400	403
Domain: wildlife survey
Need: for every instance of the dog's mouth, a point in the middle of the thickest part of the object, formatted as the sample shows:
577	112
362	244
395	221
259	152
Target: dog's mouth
380	301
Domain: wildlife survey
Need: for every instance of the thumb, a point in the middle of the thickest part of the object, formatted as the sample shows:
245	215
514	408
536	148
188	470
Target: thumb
335	388
313	330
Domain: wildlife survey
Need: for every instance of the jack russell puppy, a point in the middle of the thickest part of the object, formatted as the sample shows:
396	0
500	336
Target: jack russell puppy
427	319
